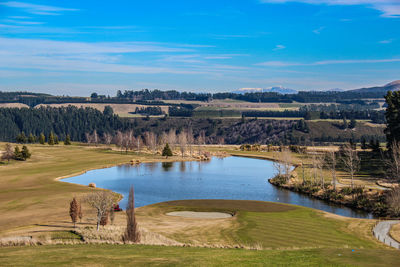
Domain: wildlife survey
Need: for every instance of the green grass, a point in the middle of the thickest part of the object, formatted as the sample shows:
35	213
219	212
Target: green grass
29	193
137	255
65	235
270	225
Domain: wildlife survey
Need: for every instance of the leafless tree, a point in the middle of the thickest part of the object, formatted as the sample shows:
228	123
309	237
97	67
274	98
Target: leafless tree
393	200
163	139
102	201
190	140
132	233
282	163
172	137
331	163
320	162
138	144
107	138
119	139
393	162
351	161
74	210
150	139
95	138
182	138
287	162
8	153
88	138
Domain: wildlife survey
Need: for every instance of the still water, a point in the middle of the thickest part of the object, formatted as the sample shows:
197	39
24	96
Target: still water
227	178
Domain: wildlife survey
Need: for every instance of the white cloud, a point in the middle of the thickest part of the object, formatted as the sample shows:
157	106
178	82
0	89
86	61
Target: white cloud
107	57
326	62
37	9
389	8
279	47
23	22
319	30
388	41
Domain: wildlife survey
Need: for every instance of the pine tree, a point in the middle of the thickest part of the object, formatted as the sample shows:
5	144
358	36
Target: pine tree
25	153
67	140
21	138
74	210
353	123
18	154
31	138
363	143
56	139
42	139
167	151
51	139
392	130
345	124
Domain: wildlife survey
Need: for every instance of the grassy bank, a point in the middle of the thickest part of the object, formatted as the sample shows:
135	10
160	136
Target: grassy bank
127	255
29	193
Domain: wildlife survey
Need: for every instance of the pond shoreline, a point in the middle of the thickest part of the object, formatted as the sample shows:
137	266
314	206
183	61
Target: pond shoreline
354	202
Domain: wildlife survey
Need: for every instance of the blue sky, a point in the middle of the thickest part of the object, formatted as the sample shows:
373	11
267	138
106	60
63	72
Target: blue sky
77	47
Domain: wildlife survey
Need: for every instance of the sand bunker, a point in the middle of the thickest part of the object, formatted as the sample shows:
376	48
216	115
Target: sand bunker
200	215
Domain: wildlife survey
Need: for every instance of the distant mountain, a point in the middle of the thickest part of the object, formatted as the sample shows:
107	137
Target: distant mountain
278	89
393	86
335	90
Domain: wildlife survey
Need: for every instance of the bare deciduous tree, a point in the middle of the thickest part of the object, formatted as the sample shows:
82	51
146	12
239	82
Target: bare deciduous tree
331	162
119	138
282	163
107	138
150	139
8	153
393	200
102	201
190	140
132	233
351	161
182	138
172	138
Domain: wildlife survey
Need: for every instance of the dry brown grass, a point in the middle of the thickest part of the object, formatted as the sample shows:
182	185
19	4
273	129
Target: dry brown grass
395	232
30	194
13	105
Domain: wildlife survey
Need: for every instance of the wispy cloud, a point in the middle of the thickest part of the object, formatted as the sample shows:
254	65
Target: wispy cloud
37	9
107	57
23	22
279	47
326	62
319	30
388	41
389	8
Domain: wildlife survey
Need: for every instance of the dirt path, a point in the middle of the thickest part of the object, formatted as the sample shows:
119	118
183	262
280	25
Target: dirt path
381	232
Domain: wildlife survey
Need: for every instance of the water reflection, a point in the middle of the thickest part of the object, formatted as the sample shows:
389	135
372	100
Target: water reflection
167	166
228	178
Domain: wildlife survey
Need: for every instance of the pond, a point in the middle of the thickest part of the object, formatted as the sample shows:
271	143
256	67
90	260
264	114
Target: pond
221	178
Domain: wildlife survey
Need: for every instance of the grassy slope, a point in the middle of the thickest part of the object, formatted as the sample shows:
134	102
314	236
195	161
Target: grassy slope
257	223
29	193
127	255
